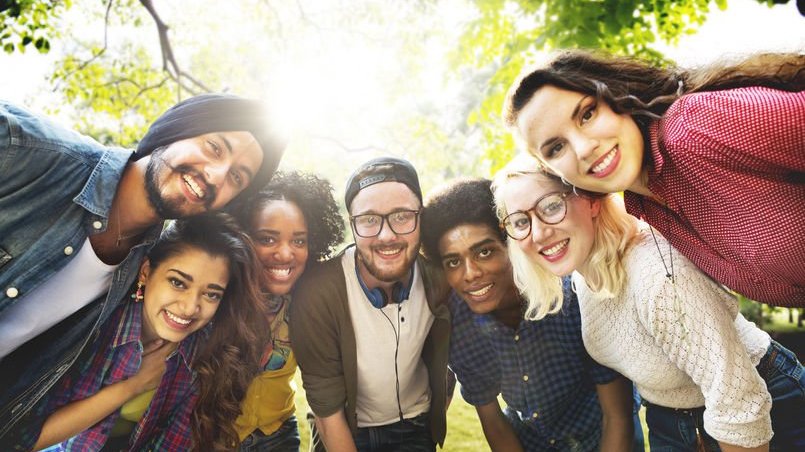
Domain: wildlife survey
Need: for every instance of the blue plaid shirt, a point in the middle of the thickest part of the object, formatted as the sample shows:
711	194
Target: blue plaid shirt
542	369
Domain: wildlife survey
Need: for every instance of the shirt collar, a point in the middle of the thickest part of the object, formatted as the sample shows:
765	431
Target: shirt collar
98	193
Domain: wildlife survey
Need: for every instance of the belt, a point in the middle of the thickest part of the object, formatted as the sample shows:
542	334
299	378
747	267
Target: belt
767	365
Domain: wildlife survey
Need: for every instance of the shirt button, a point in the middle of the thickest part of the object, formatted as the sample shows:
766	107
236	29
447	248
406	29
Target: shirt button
12	292
68	250
535	415
516	337
525	377
97	224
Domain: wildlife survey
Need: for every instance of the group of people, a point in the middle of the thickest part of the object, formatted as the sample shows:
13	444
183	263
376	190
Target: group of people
544	286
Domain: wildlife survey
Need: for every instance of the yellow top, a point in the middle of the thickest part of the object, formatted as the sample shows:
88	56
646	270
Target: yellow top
270	398
131	412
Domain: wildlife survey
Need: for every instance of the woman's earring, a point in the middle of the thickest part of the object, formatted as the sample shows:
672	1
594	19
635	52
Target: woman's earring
138	294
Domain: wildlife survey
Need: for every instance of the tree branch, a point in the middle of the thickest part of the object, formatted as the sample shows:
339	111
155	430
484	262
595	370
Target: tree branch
169	63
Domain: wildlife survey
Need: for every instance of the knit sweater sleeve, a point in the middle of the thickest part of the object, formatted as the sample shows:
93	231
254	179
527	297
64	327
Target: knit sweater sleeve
692	320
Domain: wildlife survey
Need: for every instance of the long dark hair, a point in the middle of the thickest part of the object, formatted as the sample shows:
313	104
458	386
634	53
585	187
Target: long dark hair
229	358
314	198
630	86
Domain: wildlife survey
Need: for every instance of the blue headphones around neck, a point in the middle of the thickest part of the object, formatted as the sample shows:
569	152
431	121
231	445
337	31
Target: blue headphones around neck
377	296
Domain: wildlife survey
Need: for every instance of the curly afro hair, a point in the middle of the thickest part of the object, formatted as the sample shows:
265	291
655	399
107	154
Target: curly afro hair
314	197
463	201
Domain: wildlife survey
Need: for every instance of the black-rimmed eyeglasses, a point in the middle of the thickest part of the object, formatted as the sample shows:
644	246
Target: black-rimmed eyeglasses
370	225
550	209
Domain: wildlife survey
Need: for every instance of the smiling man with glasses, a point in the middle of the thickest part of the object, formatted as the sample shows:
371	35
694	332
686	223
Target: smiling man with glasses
375	314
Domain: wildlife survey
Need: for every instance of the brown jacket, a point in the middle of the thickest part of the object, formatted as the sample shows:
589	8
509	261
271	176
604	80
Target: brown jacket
323	341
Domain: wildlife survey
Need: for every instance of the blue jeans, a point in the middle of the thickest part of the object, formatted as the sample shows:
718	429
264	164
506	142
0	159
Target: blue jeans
675	430
409	435
285	439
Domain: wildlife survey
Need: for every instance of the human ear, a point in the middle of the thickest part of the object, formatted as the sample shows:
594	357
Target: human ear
595	207
145	270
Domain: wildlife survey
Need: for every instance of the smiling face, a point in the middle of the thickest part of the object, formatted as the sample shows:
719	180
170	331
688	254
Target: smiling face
182	293
280	236
562	247
387	257
478	269
581	139
202	173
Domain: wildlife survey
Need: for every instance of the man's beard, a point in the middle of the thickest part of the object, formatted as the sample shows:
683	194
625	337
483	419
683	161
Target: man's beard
169	208
386	275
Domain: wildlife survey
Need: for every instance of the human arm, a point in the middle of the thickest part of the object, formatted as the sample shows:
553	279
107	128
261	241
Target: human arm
334	432
745	129
617	427
80	415
497	430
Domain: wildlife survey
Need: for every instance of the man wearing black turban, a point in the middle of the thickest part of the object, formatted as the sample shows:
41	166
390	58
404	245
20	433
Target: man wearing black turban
78	218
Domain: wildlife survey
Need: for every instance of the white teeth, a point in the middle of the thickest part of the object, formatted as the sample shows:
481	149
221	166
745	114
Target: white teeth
481	291
605	163
177	319
280	271
389	252
556	248
196	188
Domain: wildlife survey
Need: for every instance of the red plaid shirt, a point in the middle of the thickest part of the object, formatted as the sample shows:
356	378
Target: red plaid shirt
117	355
731	167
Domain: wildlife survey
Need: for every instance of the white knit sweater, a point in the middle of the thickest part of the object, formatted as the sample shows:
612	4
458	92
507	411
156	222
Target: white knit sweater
687	351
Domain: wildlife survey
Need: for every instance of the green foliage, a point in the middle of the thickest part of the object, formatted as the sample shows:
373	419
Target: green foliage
507	34
115	98
29	22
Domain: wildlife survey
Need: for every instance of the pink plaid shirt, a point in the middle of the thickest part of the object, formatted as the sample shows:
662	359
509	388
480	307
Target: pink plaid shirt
731	167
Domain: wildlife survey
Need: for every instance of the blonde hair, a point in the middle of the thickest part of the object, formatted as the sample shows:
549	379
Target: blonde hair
615	231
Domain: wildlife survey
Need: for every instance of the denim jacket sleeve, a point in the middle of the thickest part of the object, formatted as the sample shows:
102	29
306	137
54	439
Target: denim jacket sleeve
56	188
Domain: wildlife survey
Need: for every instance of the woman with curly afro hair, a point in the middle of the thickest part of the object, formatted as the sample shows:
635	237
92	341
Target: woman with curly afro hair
292	220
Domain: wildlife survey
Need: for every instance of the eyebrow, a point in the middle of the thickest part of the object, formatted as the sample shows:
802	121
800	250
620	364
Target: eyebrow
575	112
276	232
183	274
473	247
190	278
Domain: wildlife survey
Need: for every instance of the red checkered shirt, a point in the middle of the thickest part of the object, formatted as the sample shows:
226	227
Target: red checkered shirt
116	356
731	167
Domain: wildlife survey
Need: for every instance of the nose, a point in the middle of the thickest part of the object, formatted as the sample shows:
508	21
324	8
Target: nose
583	145
283	252
472	271
215	173
189	305
539	230
386	234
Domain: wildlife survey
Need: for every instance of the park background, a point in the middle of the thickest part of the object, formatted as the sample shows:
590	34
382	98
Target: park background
349	80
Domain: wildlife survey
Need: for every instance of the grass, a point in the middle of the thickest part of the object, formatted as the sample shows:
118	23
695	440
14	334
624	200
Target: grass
463	427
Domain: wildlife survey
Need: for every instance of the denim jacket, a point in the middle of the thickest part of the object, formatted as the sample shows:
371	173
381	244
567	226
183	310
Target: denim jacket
56	189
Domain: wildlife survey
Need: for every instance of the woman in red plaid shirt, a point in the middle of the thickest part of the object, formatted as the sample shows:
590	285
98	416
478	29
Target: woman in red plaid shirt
170	367
712	158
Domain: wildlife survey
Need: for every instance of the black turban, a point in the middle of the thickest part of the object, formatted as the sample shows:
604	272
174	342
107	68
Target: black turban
210	113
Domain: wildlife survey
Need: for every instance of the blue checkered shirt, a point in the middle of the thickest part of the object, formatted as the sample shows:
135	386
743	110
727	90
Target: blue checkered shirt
545	375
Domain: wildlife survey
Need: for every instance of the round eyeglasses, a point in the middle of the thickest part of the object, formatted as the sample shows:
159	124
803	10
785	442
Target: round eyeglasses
370	225
550	209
